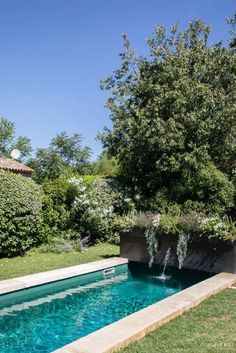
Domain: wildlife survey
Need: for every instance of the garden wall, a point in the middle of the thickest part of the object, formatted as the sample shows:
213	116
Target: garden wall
211	255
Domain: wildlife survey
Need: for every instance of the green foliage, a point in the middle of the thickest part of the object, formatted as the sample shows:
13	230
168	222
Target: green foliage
208	186
85	208
169	221
191	206
64	153
46	165
89	179
20	214
101	208
59	195
70	149
232	22
8	140
143	220
191	223
182	226
59	245
23	144
223	228
157	203
174	117
106	166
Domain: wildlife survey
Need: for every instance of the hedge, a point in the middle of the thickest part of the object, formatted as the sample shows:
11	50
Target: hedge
20	214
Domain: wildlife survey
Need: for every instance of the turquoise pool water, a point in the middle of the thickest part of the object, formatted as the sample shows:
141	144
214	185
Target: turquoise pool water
44	318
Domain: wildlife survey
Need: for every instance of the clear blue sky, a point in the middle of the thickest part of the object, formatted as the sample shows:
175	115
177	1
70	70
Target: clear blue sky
54	53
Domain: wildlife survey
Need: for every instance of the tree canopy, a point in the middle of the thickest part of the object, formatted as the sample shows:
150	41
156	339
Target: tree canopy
105	165
174	112
8	140
64	153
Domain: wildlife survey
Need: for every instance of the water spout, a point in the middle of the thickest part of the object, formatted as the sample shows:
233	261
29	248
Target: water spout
166	259
163	277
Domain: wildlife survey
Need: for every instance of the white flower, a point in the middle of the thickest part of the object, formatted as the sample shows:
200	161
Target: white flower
156	220
111	209
75	181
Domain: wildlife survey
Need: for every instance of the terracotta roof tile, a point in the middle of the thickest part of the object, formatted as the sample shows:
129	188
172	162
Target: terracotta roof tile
13	165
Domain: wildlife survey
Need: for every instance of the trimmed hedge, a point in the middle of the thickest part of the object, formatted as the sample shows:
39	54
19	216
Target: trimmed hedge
20	214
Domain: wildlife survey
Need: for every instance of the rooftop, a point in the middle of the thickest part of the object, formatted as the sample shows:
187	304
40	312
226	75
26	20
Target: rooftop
14	166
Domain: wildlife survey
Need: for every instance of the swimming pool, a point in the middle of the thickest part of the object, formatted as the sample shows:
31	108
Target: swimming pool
44	318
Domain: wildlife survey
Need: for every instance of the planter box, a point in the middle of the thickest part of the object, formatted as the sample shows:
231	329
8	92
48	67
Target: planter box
210	255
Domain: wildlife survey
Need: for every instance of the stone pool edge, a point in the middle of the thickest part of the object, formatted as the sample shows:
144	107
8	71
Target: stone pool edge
18	283
135	326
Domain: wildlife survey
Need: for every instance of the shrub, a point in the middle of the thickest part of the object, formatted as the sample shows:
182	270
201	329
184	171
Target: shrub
191	206
170	220
207	189
59	246
215	189
223	228
59	195
157	203
99	208
191	223
20	214
143	220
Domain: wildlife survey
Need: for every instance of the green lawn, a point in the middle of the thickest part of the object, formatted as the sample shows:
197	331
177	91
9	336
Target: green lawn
208	328
34	262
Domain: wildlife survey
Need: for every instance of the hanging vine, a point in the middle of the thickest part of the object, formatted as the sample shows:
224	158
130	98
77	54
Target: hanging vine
152	240
182	247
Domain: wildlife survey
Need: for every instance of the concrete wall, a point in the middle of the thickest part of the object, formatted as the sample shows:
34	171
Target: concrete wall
211	255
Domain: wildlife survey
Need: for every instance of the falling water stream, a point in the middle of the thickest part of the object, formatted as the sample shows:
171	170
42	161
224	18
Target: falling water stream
163	277
166	259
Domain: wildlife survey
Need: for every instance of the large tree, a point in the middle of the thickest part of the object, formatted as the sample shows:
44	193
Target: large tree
8	140
64	153
174	112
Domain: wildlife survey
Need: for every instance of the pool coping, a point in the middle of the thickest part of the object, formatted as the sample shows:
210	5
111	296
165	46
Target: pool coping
18	283
135	326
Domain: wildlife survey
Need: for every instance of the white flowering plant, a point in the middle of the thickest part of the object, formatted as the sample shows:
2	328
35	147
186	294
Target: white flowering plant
101	210
223	228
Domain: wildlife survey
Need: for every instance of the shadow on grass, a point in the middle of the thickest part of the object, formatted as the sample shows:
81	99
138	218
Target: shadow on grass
110	255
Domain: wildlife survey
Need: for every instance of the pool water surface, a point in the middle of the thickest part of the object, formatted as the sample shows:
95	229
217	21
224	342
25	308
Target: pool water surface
44	318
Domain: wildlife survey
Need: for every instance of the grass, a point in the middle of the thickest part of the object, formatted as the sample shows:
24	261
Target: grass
34	262
208	328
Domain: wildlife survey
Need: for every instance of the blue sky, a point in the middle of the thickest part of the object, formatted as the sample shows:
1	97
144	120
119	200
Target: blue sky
54	53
